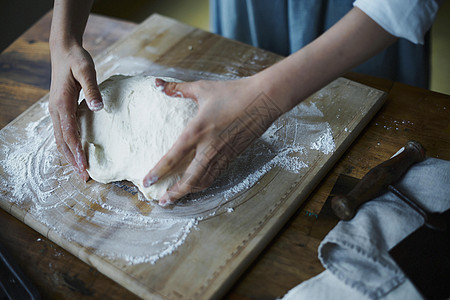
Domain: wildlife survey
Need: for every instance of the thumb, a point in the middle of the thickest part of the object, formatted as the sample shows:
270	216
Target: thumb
88	82
177	89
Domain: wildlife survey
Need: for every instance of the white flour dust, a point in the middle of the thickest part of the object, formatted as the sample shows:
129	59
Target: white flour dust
113	220
325	143
95	216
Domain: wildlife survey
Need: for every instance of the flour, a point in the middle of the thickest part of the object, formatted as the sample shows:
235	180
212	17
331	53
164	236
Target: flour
136	128
114	220
325	143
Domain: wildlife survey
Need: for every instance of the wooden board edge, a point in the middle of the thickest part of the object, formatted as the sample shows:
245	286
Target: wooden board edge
111	271
152	18
287	209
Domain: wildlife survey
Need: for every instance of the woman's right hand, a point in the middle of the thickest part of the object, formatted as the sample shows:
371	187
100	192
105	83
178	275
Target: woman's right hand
72	70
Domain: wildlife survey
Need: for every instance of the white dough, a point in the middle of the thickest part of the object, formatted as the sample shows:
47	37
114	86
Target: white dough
137	126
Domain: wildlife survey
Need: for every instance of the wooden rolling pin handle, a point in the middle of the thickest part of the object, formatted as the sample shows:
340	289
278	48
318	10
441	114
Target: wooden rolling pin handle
377	180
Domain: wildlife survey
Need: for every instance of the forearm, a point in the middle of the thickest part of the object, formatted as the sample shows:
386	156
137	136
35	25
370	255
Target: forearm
350	42
68	22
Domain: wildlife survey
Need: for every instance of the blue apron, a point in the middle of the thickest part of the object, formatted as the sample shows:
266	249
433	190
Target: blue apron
285	26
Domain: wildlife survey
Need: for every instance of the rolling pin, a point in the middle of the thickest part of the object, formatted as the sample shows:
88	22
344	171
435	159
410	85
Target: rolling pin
377	180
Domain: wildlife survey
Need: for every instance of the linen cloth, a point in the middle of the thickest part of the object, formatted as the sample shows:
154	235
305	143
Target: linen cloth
355	253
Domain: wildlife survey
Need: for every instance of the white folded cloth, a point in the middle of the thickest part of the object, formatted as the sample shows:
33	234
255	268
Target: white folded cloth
355	253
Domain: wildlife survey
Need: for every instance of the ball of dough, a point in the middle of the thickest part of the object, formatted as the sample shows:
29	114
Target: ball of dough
137	126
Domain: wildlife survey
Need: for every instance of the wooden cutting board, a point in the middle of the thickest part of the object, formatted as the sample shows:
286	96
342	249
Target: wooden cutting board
221	241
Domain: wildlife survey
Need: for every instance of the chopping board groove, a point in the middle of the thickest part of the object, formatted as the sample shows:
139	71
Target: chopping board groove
212	257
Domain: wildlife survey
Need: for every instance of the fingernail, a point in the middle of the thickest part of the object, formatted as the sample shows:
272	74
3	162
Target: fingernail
95	105
159	82
149	181
178	94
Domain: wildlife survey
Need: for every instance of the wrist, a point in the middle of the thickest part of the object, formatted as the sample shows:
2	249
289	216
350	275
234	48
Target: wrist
60	41
277	86
68	23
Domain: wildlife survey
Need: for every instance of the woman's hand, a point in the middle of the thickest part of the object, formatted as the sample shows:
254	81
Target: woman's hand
72	70
231	115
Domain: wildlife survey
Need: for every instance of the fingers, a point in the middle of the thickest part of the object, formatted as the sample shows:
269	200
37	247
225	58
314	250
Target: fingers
71	139
62	108
189	183
177	89
75	157
85	74
71	69
173	159
201	173
62	146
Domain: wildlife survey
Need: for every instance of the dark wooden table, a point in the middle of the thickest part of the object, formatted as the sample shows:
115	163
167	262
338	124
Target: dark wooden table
409	113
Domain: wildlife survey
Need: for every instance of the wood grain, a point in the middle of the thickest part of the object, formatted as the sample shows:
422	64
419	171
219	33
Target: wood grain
291	257
55	272
25	64
224	244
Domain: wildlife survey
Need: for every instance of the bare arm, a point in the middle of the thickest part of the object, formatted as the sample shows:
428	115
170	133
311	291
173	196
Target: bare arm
72	69
351	41
69	21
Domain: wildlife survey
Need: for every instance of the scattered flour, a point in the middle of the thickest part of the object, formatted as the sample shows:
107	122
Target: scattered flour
325	143
113	219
